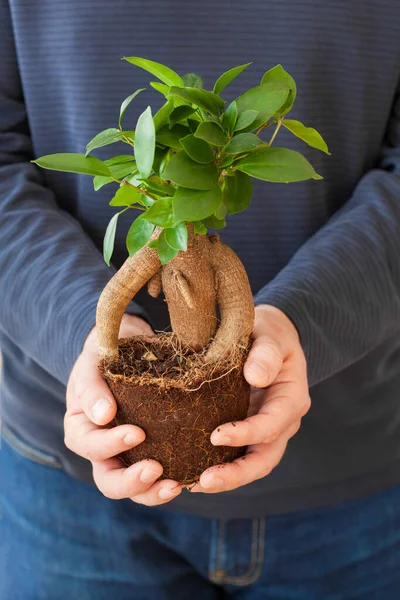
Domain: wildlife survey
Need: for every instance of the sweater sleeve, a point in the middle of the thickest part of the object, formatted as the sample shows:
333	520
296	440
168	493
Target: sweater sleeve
51	273
342	288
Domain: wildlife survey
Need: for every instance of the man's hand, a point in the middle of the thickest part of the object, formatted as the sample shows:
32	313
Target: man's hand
276	361
91	406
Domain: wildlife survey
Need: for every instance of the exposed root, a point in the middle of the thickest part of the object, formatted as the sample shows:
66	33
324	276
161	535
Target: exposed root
165	362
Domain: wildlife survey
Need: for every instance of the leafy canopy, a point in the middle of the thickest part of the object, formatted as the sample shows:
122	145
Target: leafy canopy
192	161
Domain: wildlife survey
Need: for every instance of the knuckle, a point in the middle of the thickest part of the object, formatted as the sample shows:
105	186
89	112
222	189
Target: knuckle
306	405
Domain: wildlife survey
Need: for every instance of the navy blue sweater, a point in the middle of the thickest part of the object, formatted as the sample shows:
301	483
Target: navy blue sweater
325	252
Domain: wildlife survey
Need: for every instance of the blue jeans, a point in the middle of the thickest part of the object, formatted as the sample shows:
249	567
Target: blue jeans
60	539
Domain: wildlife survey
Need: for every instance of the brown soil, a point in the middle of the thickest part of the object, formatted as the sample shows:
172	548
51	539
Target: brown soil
178	401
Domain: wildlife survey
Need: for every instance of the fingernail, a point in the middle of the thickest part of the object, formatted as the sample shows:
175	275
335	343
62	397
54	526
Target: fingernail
165	494
211	481
148	476
101	408
131	439
258	370
221	440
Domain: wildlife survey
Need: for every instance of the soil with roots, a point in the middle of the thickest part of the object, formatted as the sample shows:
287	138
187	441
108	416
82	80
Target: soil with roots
178	400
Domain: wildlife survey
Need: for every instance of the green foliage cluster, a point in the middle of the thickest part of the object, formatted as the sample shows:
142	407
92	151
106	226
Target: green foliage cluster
193	160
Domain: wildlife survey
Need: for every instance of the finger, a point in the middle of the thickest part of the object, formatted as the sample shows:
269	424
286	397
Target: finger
92	394
282	407
86	439
263	363
159	493
116	481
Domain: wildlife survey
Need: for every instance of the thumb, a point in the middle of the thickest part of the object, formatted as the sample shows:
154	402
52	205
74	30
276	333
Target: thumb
263	363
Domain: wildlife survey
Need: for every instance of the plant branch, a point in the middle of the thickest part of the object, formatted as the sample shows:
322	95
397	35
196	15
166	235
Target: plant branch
263	126
278	126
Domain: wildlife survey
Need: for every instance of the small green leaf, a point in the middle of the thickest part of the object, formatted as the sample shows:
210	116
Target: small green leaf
212	133
309	135
193	125
228	160
125	105
207	100
187	173
159	158
221	211
165	252
265	99
104	138
197	149
278	75
118	160
177	237
145	143
194	205
192	80
163	73
199	228
230	117
214	222
279	165
99	181
160	213
245	119
161	117
237	192
73	163
124	169
109	239
227	77
138	235
170	137
126	196
158	187
179	113
243	142
160	87
153	243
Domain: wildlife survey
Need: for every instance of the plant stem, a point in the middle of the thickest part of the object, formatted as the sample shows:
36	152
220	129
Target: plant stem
263	126
278	126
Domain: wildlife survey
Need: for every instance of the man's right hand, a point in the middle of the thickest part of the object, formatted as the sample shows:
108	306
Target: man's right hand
90	407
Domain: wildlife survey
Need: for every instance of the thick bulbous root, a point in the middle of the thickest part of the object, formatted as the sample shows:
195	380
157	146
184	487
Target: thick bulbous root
195	282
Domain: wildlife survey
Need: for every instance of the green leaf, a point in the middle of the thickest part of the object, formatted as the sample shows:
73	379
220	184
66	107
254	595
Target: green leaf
160	87
194	205
125	105
199	228
243	142
160	213
237	192
165	252
214	222
73	163
153	243
187	173
192	80
177	237
278	75
197	149
162	189
221	211
163	73
193	125
228	160
138	235
109	239
279	165
145	143
309	135
99	181
230	117
159	158
126	196
245	119
161	117
207	100
170	137
266	99
119	160
227	77
179	113
104	138
124	169
211	133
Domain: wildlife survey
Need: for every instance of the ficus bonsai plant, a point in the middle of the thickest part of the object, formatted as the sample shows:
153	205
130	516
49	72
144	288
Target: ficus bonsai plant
188	166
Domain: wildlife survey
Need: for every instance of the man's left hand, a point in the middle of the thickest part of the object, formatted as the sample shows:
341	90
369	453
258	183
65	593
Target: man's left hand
276	370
